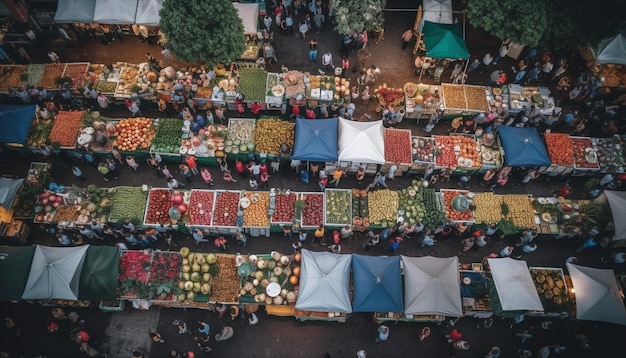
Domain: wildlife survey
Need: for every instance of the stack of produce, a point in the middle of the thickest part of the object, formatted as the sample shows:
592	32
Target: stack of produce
383	207
432	206
454	96
38	133
520	209
360	208
610	153
76	73
584	154
293	81
445	156
284	208
198	271
342	88
164	274
252	84
128	80
411	206
240	136
102	198
338	211
226	283
52	72
488	208
259	272
209	141
269	134
424	149
35	73
255	213
133	134
134	266
168	136
410	89
451	213
94	72
552	290
389	97
467	151
201	207
476	98
11	76
107	87
65	128
157	209
128	203
226	208
560	148
98	135
313	212
398	146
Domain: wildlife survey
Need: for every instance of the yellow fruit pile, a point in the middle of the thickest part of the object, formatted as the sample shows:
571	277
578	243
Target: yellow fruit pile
257	213
488	208
269	134
521	211
383	205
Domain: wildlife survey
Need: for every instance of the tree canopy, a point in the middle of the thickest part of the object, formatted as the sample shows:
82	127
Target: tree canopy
358	15
200	30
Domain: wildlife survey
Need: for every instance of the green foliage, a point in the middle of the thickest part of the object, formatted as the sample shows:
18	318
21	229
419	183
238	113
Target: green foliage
199	30
358	15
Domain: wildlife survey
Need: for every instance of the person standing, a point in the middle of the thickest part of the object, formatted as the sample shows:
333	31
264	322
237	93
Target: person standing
487	60
132	163
105	171
313	50
319	234
192	163
54	57
78	173
327	61
198	237
173	184
590	242
383	333
407	36
504	49
337	175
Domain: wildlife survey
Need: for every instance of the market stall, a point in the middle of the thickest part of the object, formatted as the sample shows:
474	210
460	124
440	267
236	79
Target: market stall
269	279
98	277
15	121
148	12
14	270
316	140
377	284
313	212
398	146
457	205
275	91
460	152
72	11
475	293
561	151
361	142
523	147
490	151
610	154
382	208
514	285
421	100
115	11
462	98
522	98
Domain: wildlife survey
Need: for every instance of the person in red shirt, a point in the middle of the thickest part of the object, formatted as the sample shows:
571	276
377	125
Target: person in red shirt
240	167
192	163
454	335
256	108
263	167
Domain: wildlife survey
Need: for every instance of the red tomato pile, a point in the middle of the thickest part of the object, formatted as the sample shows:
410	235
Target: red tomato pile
451	213
226	207
77	73
65	128
159	203
284	209
398	146
313	212
201	207
560	148
445	147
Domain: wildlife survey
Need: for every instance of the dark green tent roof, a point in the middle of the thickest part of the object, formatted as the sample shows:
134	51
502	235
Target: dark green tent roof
98	279
14	270
444	41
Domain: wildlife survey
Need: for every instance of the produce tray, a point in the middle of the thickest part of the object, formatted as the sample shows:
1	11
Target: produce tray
217	194
148	203
403	141
305	222
258	199
443	204
195	209
298	196
234	124
273	79
77	81
610	154
419	156
580	161
113	211
11	76
128	79
51	73
348	212
107	87
554	295
465	97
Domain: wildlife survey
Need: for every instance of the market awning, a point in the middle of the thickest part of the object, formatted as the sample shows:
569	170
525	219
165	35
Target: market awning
249	14
15	265
361	142
8	189
437	11
316	140
115	11
98	278
514	285
15	121
617	203
148	12
70	11
377	284
523	147
612	50
444	41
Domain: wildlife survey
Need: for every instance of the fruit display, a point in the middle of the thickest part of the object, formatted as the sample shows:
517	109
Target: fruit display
389	97
293	81
476	98
410	89
76	72
424	149
610	154
35	73
252	84
398	146
240	137
168	136
198	271
163	276
228	84
52	72
467	151
133	134
38	133
128	203
94	74
552	289
449	198
584	154
209	141
226	208
488	207
383	206
27	196
134	268
127	81
256	214
411	207
342	89
453	96
284	208
201	207
360	208
226	283
313	212
337	207
11	76
258	272
274	90
270	133
445	157
105	87
435	214
490	153
560	148
520	209
65	128
157	208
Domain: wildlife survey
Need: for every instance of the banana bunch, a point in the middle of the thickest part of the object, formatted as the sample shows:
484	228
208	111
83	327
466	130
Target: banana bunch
488	207
521	212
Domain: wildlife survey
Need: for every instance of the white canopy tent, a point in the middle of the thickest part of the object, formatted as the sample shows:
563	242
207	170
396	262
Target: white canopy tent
612	50
55	273
249	14
361	142
115	11
514	285
324	282
617	202
598	297
69	11
431	286
437	11
148	12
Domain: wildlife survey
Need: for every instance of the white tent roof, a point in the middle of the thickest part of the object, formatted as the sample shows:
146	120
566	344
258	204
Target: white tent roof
115	11
148	12
598	297
612	50
55	273
437	11
361	142
514	285
324	282
617	202
74	11
431	286
249	14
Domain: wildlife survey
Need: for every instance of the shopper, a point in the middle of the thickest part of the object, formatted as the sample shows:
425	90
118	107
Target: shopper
132	163
383	333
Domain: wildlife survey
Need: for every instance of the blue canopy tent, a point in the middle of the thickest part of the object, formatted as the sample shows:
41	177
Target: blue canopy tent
316	140
377	284
523	147
15	122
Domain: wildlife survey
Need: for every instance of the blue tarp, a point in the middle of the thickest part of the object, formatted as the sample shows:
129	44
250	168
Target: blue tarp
377	284
523	147
316	140
15	122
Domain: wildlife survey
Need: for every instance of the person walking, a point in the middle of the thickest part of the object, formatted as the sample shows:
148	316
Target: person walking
383	333
105	171
590	242
198	237
185	171
327	61
54	57
204	328
337	175
319	234
173	184
132	163
407	36
78	173
313	50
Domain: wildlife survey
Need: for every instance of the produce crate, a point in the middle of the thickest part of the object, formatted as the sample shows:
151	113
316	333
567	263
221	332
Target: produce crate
448	206
585	158
465	97
398	146
552	288
137	207
610	154
241	130
424	150
228	213
340	207
164	204
312	218
200	211
256	214
76	71
287	201
128	79
50	75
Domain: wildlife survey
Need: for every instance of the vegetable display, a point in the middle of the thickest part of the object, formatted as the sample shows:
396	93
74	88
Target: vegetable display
398	146
560	148
284	208
134	265
453	96
434	212
269	134
383	206
424	149
521	212
552	290
128	203
411	205
338	211
584	154
610	153
50	75
35	73
226	208
168	136
451	213
133	134
260	271
164	272
389	97
226	283
65	128
252	83
256	215
201	207
157	210
467	152
240	136
360	208
313	212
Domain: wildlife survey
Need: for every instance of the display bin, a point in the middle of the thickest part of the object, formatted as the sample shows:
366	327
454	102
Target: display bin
554	289
465	97
255	215
475	292
287	201
312	218
242	130
403	141
275	91
280	311
112	306
585	158
424	152
453	192
338	203
200	208
226	207
77	72
610	154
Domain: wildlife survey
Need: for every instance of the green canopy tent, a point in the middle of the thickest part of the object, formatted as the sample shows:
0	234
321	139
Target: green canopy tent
15	265
444	41
98	279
